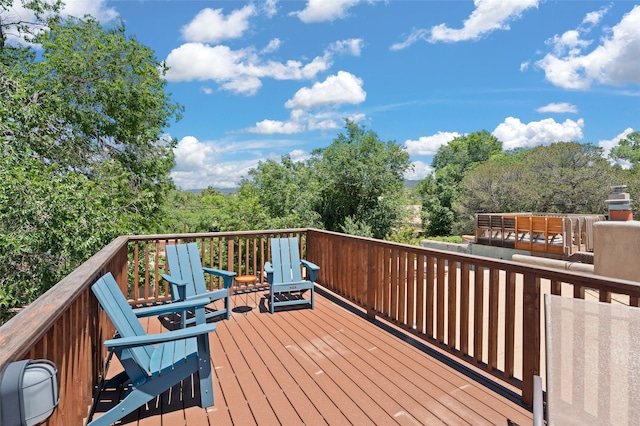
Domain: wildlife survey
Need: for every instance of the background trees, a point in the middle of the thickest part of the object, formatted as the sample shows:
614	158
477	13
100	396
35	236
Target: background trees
354	185
360	182
564	177
82	155
440	191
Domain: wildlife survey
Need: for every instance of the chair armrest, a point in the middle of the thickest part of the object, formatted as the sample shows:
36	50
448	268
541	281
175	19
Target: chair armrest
172	307
313	269
268	269
178	287
227	276
173	281
538	409
151	339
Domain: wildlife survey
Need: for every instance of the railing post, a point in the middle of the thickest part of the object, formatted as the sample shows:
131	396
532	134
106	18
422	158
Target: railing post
371	286
530	336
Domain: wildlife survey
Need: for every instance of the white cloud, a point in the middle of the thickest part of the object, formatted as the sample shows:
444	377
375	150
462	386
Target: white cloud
419	172
352	46
273	45
96	8
606	145
275	126
428	145
239	71
270	8
560	107
298	155
210	25
524	66
301	120
219	175
323	10
489	15
594	18
515	134
192	154
77	8
343	88
416	35
197	166
614	62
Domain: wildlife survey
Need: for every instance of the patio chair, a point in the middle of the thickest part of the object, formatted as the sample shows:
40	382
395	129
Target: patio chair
592	361
286	286
153	369
186	277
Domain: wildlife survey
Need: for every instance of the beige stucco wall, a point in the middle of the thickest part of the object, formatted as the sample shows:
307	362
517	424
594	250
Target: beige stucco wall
616	249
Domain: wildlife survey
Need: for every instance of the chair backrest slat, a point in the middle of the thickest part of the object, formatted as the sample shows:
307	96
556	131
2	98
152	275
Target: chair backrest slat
119	312
184	264
285	255
195	266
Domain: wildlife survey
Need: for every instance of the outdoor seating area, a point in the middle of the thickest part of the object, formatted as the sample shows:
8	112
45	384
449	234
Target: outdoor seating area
388	333
323	366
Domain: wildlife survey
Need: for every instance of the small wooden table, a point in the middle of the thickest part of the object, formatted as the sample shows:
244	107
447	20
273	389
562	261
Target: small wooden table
244	280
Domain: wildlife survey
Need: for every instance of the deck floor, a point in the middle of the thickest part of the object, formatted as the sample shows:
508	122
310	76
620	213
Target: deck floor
323	366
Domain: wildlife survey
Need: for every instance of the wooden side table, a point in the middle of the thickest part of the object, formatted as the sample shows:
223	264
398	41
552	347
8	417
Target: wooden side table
244	281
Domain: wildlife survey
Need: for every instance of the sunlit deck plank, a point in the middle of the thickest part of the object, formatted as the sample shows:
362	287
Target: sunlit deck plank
326	366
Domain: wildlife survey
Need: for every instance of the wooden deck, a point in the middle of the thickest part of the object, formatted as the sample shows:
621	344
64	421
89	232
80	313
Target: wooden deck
326	366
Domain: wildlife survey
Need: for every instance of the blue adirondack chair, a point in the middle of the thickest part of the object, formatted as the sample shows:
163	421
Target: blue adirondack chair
286	286
153	369
187	279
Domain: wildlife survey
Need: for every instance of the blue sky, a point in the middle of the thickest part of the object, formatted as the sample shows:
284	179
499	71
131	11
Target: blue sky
266	78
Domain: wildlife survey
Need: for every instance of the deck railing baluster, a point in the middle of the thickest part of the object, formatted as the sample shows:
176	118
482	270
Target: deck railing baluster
437	296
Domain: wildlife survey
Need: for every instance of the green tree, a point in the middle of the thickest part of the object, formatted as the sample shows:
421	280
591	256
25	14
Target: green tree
628	149
440	191
109	96
362	178
20	28
564	177
81	149
286	190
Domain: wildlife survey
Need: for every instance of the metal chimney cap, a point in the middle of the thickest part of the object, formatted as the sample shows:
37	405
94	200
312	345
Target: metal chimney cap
618	188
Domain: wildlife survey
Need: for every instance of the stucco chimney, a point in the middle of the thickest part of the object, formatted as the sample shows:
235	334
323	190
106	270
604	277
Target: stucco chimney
619	204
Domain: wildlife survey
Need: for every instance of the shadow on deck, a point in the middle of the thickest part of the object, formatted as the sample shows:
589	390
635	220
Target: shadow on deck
326	366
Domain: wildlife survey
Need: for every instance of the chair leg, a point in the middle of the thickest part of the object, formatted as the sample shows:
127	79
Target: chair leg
116	380
204	372
132	402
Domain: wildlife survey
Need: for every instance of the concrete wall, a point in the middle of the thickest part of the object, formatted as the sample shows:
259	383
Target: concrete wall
616	247
475	249
554	263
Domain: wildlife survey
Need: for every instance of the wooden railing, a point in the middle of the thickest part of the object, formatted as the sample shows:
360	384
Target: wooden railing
65	326
484	312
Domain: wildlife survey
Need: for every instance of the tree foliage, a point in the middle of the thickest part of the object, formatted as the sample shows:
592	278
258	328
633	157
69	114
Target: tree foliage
564	177
362	178
440	191
82	154
628	149
286	190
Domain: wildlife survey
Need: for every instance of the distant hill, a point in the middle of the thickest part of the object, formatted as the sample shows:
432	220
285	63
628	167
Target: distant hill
223	190
407	183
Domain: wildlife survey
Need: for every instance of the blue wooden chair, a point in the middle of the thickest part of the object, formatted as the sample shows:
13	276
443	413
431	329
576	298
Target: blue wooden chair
187	279
286	286
153	369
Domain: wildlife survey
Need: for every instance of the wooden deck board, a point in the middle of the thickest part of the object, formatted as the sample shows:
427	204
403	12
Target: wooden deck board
322	366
